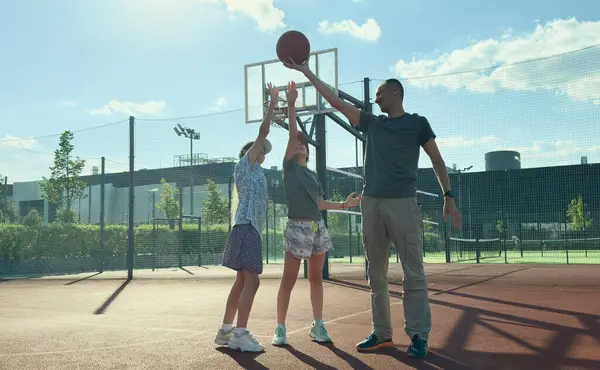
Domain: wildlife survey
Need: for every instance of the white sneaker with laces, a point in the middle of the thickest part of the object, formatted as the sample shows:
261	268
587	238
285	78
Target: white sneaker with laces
244	342
223	337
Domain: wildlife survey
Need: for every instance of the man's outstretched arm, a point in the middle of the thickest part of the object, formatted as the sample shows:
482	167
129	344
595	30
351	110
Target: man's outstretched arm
348	110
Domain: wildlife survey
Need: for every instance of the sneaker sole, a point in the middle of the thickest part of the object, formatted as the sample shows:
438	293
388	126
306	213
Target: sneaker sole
240	349
376	347
221	342
319	340
412	355
280	344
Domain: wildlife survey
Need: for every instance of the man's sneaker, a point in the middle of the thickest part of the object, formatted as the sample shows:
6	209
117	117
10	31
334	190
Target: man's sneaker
279	337
223	337
373	343
244	342
418	348
319	333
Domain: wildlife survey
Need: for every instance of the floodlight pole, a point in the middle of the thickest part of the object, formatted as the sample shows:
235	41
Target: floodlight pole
460	172
191	174
191	134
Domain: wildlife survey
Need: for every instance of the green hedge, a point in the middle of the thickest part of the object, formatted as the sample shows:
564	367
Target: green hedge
79	240
67	248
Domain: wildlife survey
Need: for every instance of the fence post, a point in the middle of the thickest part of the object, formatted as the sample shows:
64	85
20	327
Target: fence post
180	231
102	195
446	244
131	236
350	235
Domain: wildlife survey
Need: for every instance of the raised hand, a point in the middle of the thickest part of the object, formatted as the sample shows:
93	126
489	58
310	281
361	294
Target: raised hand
291	93
298	67
274	92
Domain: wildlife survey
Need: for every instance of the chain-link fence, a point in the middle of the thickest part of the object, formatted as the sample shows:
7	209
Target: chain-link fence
520	143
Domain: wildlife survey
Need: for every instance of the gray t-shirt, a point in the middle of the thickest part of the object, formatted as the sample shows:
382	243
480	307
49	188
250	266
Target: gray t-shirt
392	153
302	191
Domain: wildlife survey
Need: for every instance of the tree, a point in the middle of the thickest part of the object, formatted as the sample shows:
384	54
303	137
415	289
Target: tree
337	222
576	215
7	207
216	206
427	227
500	227
168	203
33	219
64	183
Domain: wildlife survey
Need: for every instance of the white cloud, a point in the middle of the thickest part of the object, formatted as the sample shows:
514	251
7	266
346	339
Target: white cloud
463	142
23	159
15	142
539	153
489	65
554	153
130	108
368	31
263	12
219	105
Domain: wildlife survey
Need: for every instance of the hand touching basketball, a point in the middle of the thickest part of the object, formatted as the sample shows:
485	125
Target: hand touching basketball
291	93
298	67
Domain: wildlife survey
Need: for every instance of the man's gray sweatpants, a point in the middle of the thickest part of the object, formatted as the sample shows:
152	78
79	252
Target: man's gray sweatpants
396	219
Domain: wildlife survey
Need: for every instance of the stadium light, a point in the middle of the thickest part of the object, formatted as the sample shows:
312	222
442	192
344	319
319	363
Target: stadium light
191	134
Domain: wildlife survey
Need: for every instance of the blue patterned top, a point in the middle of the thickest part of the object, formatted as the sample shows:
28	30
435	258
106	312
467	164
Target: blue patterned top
251	185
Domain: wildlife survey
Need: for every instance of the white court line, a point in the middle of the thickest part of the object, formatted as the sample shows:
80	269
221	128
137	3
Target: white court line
106	326
360	177
369	311
96	349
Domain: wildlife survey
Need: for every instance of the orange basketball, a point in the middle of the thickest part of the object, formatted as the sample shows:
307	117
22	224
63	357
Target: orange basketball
295	45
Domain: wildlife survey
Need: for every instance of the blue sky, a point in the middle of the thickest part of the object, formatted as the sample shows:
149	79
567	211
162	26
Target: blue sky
79	65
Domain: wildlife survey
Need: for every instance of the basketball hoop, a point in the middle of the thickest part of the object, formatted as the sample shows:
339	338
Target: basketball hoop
279	115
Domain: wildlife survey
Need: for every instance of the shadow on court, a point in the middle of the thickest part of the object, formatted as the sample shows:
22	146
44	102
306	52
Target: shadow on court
82	279
244	360
112	297
512	326
186	270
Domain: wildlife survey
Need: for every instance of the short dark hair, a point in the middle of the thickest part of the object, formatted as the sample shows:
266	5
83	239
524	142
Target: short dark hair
393	82
245	148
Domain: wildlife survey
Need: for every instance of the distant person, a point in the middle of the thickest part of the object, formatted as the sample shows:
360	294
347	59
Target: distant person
389	206
243	251
516	243
306	236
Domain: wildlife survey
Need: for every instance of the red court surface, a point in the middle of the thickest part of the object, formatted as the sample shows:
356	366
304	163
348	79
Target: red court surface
484	317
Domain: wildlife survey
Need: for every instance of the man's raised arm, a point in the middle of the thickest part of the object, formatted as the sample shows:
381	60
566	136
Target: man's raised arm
348	110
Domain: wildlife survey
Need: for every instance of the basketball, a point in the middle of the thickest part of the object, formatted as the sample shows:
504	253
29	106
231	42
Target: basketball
295	45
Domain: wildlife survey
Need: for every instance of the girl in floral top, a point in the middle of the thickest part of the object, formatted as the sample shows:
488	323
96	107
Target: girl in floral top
243	251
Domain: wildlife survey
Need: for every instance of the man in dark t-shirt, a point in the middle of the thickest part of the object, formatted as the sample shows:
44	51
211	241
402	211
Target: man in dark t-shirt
389	206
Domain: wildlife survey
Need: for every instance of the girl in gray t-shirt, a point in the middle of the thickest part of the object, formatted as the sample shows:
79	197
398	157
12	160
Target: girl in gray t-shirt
306	236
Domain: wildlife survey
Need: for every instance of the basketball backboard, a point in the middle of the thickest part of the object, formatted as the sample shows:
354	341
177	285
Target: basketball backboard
323	63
